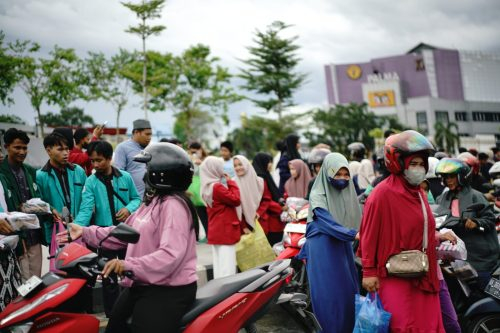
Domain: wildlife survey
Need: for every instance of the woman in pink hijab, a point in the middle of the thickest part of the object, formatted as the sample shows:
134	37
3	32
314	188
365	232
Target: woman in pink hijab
297	185
222	196
251	190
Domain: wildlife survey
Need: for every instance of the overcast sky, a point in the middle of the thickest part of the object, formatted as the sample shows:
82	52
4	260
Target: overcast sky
330	31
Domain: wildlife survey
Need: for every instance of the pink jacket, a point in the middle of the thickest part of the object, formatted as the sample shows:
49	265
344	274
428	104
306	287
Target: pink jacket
165	255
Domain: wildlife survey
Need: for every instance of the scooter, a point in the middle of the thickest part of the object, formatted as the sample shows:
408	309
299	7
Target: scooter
477	311
297	290
54	302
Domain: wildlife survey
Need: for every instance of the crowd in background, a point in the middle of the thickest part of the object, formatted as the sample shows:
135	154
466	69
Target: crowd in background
85	182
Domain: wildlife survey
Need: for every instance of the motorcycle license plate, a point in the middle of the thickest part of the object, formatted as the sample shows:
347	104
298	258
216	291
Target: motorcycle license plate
493	288
298	228
31	284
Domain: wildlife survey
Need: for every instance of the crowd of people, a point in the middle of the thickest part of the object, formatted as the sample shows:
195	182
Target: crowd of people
168	194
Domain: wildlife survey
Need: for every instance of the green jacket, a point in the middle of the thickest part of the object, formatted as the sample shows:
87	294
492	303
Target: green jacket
482	246
52	192
11	188
95	199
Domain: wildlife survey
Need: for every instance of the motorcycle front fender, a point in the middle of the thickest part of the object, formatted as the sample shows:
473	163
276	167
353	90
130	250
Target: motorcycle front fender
288	253
486	305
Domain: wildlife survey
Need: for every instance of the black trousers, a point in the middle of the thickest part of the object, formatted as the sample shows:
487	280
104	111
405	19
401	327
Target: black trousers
154	309
202	214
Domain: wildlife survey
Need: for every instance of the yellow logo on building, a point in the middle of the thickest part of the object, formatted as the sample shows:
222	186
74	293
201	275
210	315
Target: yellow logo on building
381	98
354	72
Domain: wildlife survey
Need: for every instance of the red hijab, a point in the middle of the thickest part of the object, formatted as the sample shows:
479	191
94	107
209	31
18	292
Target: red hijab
393	221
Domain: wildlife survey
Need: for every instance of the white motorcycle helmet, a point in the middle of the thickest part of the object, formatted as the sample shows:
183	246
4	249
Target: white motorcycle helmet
495	170
432	168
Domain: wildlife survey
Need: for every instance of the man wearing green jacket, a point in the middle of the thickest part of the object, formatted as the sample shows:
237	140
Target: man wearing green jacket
60	182
20	186
110	194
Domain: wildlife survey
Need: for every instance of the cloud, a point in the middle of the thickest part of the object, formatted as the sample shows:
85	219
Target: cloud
329	32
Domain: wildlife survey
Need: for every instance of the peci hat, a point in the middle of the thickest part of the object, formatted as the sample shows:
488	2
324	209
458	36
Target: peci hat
140	124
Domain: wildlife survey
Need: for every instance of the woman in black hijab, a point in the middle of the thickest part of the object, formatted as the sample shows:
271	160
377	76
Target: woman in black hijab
291	153
270	207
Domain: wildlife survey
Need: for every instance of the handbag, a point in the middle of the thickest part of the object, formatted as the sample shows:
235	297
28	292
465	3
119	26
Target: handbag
411	263
253	249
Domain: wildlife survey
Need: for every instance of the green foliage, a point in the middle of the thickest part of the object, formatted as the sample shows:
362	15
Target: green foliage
446	136
11	119
193	85
343	124
271	69
146	10
258	134
71	116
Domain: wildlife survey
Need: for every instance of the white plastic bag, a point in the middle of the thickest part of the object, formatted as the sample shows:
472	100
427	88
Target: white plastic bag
448	251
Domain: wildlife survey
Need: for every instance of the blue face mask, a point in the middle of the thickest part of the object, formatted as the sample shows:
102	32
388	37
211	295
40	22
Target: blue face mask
339	184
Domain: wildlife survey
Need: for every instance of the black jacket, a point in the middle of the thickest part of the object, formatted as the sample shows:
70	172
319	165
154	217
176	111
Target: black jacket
483	249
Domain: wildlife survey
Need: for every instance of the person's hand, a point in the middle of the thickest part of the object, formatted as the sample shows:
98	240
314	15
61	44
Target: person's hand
56	215
470	224
490	197
98	130
246	231
5	227
122	214
448	236
74	232
115	265
284	208
228	178
371	284
357	236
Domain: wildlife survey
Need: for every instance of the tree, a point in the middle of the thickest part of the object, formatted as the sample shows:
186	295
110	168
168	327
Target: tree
54	81
446	136
71	116
145	11
271	69
195	87
11	119
9	67
258	134
343	124
108	80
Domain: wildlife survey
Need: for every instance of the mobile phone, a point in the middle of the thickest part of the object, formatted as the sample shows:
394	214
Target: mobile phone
104	124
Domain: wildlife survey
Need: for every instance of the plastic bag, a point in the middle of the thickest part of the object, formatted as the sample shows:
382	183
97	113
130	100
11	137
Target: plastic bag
370	315
21	221
36	206
58	226
447	251
253	249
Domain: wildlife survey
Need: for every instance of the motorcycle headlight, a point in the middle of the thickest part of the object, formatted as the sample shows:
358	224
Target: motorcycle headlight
287	240
24	328
34	304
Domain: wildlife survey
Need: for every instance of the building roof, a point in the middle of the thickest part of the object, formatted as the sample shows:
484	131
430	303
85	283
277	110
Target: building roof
420	47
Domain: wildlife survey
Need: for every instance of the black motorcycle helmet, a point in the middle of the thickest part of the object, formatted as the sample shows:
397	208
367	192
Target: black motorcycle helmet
168	167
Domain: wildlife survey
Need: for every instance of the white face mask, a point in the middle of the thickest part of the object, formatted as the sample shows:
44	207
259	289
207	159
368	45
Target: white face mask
415	175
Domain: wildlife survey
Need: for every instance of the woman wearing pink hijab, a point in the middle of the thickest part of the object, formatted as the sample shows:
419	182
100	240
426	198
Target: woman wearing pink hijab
297	185
222	196
251	190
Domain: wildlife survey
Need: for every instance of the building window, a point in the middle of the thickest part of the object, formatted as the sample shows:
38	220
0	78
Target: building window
460	116
422	122
420	65
442	117
490	117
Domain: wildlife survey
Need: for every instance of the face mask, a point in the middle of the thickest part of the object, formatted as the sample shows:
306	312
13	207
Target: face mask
415	176
339	184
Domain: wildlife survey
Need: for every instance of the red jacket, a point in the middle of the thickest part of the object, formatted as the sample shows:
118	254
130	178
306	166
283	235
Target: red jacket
224	227
80	157
269	213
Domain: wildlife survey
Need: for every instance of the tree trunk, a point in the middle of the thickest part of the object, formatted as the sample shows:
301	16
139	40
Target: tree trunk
40	122
144	76
118	111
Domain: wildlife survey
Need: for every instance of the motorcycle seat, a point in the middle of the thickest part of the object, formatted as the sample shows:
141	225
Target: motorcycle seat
217	290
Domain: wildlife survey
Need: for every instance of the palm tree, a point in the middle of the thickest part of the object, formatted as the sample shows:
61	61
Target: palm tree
446	137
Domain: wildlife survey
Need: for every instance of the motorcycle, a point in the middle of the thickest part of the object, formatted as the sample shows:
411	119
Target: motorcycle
53	303
477	311
297	290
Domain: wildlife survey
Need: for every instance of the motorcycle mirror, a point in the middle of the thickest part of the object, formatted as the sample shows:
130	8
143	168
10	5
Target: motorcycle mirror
475	207
125	233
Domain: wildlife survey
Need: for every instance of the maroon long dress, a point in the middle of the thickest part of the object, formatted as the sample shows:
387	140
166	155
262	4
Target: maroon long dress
392	222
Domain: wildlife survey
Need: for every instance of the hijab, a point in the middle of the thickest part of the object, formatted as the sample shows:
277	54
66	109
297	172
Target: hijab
251	190
343	204
211	172
291	147
297	187
260	163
